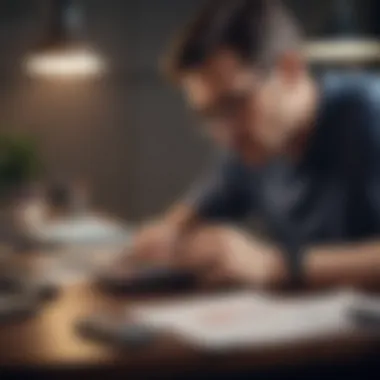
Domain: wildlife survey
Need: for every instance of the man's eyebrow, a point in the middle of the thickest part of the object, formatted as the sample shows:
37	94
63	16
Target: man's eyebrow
205	110
208	108
220	101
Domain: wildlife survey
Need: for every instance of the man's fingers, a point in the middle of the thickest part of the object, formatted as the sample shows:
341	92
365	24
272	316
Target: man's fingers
217	276
197	259
214	277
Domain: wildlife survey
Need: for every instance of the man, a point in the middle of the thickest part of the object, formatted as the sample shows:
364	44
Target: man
303	156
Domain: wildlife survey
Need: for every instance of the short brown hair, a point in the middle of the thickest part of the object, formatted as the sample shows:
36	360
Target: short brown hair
256	30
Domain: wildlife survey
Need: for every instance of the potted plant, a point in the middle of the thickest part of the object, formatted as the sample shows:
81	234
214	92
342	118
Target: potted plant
19	164
20	168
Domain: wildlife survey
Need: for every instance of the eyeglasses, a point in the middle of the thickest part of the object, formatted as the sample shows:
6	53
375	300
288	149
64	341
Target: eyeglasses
225	110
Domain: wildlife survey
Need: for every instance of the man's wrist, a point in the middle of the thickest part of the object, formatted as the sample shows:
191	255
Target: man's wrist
180	217
276	268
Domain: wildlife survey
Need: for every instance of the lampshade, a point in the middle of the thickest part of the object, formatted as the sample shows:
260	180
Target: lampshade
62	51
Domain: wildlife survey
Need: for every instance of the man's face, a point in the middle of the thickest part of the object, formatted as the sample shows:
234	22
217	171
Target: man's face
241	109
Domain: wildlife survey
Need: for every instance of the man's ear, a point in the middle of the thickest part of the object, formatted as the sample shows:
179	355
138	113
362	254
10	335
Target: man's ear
291	66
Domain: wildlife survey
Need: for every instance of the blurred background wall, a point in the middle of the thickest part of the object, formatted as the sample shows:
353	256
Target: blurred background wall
128	134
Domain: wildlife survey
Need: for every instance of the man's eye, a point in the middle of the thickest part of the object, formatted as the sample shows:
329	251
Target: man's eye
211	114
231	104
227	107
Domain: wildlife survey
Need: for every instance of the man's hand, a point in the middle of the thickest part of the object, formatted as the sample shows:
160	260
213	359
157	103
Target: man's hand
230	256
155	242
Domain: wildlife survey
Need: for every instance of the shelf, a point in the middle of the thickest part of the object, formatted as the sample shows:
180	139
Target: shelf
361	51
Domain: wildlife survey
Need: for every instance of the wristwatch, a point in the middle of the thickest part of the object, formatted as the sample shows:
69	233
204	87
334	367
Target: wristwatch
294	258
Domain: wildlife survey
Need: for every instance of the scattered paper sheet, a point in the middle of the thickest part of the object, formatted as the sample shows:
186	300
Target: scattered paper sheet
246	319
70	265
83	230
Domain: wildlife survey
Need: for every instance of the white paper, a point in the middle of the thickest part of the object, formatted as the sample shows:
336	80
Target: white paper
246	319
71	265
83	230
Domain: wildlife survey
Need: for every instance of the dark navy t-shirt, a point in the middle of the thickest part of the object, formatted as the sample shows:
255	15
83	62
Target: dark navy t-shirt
332	194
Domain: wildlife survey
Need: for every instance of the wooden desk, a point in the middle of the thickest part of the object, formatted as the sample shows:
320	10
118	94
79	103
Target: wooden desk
47	344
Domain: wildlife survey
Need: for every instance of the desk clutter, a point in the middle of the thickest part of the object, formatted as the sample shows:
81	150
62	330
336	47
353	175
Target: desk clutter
238	321
22	292
73	239
60	214
229	321
57	221
78	245
87	229
108	330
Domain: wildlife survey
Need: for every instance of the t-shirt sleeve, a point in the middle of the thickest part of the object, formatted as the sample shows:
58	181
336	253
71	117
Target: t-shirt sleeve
223	193
370	124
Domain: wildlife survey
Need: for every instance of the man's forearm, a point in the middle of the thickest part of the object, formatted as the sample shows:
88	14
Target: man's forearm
350	264
182	216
